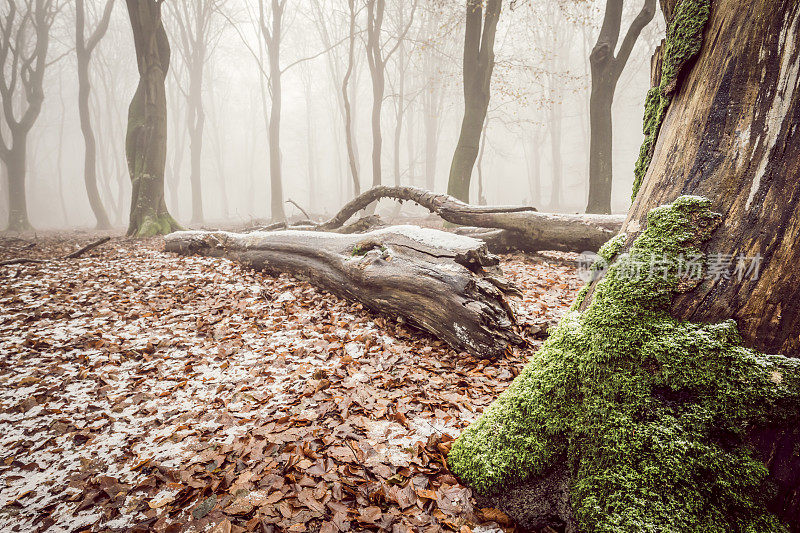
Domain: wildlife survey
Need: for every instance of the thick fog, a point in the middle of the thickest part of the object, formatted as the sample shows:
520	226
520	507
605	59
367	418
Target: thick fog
536	133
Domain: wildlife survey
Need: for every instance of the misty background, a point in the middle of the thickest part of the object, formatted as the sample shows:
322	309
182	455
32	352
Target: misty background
535	142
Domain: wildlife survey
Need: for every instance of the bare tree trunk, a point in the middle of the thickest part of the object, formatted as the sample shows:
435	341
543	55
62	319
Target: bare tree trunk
17	195
478	66
24	43
606	70
352	158
375	60
146	142
557	172
83	50
273	36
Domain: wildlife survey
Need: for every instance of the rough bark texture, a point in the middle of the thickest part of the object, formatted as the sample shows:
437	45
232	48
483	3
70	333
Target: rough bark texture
146	142
435	280
478	66
744	154
729	133
526	229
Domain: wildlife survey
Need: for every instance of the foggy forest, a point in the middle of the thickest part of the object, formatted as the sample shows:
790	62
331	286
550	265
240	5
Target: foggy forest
477	266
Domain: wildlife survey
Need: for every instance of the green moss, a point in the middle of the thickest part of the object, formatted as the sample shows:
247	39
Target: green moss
648	412
684	41
153	225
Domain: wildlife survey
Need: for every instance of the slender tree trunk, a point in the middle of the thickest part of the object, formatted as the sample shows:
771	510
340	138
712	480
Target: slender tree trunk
276	179
277	212
146	141
84	55
557	172
607	65
478	66
375	12
90	155
196	119
352	158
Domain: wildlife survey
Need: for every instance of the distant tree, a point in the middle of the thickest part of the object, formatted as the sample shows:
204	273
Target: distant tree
24	41
84	47
146	141
479	38
606	70
377	57
271	24
194	20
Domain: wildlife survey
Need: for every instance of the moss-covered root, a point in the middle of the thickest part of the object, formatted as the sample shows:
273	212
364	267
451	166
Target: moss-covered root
684	41
650	413
153	225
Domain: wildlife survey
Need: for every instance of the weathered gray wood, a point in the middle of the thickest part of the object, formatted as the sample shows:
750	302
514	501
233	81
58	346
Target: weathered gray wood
440	282
526	229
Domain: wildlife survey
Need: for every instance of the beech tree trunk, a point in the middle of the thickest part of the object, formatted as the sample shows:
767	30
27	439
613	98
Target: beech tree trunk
24	43
83	52
607	66
440	282
478	66
730	134
525	229
146	142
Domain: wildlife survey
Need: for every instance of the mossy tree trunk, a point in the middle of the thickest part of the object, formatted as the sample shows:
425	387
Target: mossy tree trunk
607	66
732	134
479	37
146	141
652	407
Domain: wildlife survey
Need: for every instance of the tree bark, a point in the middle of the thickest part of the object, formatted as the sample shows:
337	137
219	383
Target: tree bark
734	137
146	142
527	229
83	51
24	43
478	66
730	134
375	60
352	159
606	69
437	281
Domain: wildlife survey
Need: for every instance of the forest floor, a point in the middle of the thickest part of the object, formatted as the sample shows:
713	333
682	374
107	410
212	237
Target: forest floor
141	391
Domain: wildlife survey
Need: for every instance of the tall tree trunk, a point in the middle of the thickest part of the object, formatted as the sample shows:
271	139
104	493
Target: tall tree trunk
196	119
743	152
84	51
352	158
606	69
557	170
478	66
655	390
17	195
146	141
375	13
273	38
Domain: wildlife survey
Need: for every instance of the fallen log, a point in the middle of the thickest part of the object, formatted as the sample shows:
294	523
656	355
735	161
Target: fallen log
524	228
442	283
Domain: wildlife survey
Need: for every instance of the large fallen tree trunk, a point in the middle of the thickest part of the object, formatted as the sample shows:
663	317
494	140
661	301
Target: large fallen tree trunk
524	228
437	281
